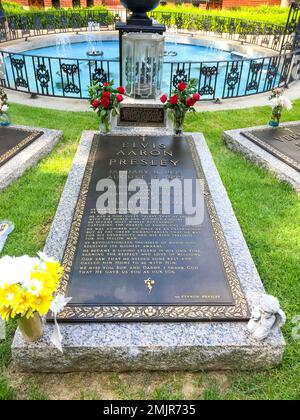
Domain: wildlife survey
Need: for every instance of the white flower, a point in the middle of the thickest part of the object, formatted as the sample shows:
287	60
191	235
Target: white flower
14	270
281	101
274	102
286	103
4	108
58	304
33	286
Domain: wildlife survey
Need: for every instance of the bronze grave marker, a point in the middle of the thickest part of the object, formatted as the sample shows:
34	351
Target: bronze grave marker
149	267
14	140
281	142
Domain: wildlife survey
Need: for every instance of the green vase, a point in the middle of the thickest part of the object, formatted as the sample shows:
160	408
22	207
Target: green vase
4	120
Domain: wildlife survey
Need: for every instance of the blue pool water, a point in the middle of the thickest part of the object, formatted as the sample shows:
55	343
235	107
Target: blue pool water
52	81
111	51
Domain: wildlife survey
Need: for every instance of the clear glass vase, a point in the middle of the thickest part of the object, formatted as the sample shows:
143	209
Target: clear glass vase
4	120
106	123
178	117
31	329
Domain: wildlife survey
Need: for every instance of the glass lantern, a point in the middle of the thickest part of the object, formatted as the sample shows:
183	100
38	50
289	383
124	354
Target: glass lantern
143	55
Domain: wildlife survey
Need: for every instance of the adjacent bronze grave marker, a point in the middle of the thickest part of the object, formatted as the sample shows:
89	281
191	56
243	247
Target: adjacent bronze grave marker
282	142
147	266
14	140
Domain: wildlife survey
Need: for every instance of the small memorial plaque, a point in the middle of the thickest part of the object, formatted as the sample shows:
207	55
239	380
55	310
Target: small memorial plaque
14	140
142	116
282	142
144	266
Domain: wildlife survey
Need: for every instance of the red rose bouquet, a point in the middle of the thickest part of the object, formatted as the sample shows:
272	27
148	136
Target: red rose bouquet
182	100
106	100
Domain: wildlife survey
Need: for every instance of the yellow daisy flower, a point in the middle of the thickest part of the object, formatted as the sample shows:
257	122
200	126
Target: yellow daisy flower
42	303
8	294
23	304
5	312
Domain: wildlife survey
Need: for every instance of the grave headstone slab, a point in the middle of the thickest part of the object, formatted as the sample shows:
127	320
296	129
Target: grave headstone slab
13	140
282	142
147	266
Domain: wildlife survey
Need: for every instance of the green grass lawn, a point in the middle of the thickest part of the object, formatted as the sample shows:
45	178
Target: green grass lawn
269	214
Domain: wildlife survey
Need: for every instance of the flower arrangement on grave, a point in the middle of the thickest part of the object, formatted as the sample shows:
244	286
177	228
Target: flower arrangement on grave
278	102
4	119
27	292
106	101
181	101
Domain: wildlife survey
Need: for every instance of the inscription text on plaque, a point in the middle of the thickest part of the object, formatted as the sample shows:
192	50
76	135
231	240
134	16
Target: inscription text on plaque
147	266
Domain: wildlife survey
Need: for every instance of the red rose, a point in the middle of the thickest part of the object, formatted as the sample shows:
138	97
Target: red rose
164	99
121	90
106	84
181	87
174	100
190	102
197	96
119	98
106	94
105	102
95	103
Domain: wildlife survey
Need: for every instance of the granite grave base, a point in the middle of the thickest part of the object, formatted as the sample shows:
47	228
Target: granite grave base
153	346
30	154
237	140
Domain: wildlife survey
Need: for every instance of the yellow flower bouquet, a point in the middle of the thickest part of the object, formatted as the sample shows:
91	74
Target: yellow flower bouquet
27	291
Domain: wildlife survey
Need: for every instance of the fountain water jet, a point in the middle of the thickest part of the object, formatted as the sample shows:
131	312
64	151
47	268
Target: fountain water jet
62	44
92	51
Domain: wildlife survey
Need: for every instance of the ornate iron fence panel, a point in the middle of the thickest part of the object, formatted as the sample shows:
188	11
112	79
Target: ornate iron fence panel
67	77
233	78
208	78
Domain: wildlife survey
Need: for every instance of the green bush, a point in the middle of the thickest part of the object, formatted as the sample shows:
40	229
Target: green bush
101	14
266	14
11	7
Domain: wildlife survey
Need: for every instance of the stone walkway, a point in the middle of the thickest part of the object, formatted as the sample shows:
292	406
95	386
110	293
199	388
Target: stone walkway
77	105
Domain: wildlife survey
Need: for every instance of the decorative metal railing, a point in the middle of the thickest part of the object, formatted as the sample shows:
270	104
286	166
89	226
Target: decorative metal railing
67	77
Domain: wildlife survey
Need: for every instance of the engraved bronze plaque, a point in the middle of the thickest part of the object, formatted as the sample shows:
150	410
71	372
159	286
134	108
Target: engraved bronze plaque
150	267
13	140
282	142
142	116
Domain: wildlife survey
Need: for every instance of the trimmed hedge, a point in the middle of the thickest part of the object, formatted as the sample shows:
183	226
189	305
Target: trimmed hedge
32	18
266	14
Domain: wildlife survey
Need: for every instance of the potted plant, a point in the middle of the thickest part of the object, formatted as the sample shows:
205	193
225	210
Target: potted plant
4	118
278	102
182	101
27	292
106	100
